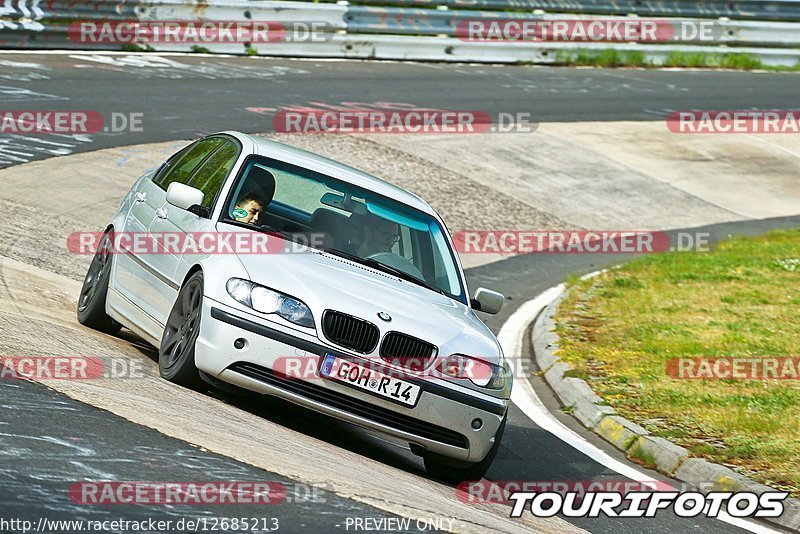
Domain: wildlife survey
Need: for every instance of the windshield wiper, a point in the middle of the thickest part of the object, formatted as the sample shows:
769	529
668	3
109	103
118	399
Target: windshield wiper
401	274
375	264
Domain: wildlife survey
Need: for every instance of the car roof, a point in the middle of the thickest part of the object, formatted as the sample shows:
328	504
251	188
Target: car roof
335	169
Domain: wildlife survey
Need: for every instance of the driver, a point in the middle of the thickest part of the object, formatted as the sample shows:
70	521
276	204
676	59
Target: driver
248	208
380	235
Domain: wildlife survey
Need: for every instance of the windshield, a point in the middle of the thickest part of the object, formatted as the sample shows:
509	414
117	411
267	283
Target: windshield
346	220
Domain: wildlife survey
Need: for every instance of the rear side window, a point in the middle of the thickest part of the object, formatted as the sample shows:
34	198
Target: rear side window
185	164
212	174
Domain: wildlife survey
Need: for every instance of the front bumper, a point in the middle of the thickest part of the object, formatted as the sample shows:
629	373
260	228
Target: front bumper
441	422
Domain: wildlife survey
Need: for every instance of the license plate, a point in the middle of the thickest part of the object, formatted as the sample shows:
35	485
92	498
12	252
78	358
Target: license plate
369	380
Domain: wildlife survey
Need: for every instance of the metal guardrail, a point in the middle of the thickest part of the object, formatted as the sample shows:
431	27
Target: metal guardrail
786	10
38	10
387	32
411	21
243	10
414	48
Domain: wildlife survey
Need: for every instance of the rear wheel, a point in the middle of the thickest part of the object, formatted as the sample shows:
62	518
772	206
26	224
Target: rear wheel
453	471
92	298
176	353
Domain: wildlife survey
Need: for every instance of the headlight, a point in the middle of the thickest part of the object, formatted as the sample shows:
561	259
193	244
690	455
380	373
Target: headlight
266	300
479	372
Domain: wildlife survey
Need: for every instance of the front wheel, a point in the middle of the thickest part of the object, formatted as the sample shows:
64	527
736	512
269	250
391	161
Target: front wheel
92	298
453	472
176	353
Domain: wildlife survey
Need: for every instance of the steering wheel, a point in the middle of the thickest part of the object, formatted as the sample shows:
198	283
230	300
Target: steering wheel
398	262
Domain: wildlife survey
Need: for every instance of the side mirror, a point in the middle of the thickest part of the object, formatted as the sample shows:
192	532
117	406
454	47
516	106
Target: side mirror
184	196
488	301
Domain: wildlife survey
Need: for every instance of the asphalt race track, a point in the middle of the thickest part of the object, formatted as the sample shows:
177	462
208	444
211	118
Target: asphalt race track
54	440
104	450
182	97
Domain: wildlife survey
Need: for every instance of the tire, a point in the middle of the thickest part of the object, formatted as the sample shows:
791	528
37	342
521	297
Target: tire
453	472
176	352
92	298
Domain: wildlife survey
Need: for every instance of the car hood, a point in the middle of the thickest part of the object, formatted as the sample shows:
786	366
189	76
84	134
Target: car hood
328	282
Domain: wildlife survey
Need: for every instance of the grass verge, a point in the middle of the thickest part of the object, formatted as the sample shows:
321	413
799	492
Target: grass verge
620	329
635	58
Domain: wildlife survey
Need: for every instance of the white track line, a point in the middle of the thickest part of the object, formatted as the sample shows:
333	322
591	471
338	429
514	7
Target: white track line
525	398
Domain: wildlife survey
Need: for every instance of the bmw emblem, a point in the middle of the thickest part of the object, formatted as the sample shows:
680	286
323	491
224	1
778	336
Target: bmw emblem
384	316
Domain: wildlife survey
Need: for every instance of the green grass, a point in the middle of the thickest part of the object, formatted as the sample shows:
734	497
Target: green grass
133	47
197	49
702	59
741	300
635	58
642	456
603	58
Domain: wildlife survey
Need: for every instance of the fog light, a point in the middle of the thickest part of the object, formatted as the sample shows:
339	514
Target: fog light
477	424
240	343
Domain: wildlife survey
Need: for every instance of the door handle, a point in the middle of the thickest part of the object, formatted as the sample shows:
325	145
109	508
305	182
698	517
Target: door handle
141	197
161	213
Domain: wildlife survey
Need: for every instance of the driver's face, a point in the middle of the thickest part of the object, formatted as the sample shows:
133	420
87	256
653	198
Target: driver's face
384	235
252	208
